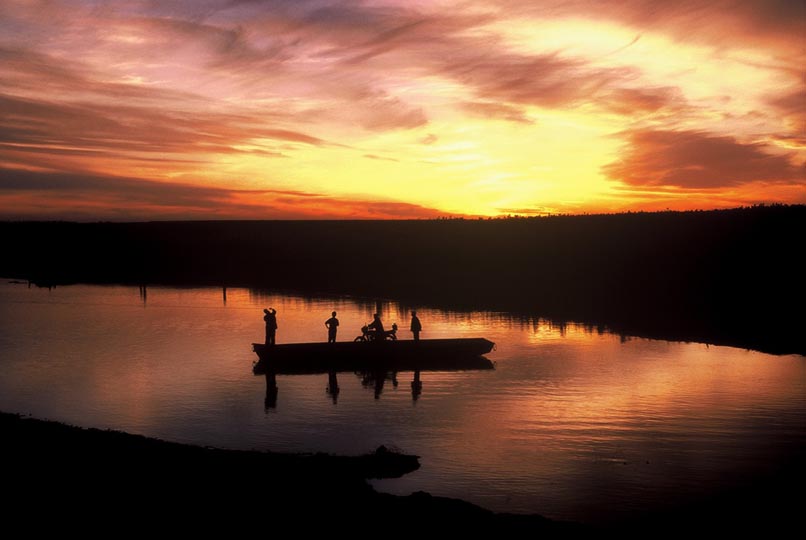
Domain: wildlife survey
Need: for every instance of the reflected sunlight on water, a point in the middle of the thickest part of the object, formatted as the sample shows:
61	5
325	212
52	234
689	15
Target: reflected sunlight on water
572	423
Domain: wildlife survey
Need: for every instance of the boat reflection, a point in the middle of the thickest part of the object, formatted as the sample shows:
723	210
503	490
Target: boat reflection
373	378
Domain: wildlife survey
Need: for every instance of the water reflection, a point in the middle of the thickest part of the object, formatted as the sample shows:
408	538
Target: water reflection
574	422
271	391
374	380
416	386
377	379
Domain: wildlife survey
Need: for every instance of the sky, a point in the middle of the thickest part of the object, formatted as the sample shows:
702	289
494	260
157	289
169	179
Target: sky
130	110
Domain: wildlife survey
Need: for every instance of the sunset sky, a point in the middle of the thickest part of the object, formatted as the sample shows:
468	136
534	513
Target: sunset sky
222	109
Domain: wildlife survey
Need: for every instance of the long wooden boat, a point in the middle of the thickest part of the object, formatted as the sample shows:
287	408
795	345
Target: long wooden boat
400	355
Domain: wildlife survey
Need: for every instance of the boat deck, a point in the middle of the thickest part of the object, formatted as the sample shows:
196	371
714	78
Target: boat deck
400	355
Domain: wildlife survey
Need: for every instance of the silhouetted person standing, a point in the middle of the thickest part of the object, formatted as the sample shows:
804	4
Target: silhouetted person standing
271	325
416	326
332	326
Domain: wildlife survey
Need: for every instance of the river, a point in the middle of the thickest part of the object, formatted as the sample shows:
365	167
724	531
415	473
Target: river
574	422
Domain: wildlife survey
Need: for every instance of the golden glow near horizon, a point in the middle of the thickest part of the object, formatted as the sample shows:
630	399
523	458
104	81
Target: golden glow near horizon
283	109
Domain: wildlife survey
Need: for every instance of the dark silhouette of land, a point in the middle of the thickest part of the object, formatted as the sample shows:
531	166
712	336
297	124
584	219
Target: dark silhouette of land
66	477
722	277
59	478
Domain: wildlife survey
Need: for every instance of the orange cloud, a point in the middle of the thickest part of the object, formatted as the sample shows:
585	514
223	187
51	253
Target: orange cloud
83	196
693	159
792	108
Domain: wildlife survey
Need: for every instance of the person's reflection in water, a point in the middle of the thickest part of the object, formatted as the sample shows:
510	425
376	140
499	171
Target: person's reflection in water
380	378
271	391
333	385
270	318
332	327
416	386
375	379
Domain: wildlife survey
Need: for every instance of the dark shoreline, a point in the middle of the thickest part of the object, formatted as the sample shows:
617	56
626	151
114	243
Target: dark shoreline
89	479
110	471
726	277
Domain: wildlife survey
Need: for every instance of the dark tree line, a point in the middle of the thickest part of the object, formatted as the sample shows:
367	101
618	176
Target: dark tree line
726	276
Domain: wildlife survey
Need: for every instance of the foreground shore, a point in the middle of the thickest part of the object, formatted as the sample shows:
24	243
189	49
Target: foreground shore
91	477
59	478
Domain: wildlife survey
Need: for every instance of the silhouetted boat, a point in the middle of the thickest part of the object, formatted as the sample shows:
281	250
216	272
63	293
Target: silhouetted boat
399	355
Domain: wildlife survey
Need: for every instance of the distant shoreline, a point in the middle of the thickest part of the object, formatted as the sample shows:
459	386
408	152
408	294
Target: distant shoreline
726	277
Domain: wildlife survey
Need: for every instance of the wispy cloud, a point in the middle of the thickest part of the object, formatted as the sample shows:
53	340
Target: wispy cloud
85	196
777	23
382	158
706	95
502	111
134	131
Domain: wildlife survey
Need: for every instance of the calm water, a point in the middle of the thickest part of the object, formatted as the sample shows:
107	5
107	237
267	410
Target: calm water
571	424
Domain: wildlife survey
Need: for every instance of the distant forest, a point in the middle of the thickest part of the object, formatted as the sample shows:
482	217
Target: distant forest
721	276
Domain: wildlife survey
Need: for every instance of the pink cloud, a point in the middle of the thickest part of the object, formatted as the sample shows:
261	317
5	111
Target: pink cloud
628	101
502	111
